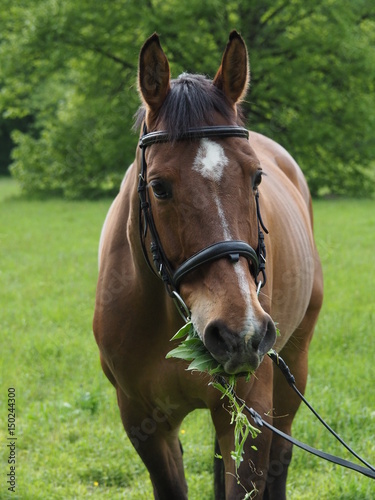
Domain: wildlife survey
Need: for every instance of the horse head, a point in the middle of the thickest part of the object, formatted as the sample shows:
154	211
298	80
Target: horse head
200	192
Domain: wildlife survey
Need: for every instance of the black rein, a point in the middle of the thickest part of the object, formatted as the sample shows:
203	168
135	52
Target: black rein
367	470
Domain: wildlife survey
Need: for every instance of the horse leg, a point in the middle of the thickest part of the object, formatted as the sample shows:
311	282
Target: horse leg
286	404
286	401
155	438
219	473
252	473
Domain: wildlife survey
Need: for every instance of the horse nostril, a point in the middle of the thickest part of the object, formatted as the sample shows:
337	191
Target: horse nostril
267	341
216	337
255	341
236	349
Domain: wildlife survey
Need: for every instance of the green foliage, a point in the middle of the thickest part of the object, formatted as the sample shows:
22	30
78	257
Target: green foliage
71	69
242	427
318	98
192	349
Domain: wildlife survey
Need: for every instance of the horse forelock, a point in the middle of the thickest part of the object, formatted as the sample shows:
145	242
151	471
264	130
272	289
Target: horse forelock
193	101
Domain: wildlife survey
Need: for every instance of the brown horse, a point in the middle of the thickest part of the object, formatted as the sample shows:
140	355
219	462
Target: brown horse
189	202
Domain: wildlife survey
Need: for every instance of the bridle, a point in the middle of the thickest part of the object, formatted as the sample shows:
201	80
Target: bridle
232	249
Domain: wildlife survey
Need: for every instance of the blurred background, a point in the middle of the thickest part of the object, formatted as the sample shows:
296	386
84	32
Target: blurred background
68	89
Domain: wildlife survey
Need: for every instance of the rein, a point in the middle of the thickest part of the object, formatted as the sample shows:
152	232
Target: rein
368	470
231	249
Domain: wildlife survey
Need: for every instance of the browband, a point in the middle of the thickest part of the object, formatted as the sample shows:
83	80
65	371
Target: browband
194	133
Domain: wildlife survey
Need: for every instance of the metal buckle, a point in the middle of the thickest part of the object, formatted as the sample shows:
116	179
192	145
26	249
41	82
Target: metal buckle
181	306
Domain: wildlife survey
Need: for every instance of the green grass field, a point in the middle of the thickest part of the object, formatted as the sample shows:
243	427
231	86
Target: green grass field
70	441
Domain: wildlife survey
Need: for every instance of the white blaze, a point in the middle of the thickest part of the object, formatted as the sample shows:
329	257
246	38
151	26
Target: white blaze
210	162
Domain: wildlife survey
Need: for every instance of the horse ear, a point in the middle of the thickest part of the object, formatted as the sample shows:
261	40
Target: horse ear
153	73
233	75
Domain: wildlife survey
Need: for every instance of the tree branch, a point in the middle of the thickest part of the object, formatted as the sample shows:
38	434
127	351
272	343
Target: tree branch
114	58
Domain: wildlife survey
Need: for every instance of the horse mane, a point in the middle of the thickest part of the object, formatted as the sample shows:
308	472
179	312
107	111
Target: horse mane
191	102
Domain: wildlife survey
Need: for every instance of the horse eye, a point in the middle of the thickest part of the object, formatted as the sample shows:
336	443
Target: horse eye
162	190
257	178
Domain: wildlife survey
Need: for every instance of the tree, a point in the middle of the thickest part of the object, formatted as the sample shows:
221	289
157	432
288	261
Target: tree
6	143
313	89
63	73
70	68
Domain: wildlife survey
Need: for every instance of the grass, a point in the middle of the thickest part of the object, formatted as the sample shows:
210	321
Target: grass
70	441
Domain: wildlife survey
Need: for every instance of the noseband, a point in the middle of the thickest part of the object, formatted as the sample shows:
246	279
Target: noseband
231	249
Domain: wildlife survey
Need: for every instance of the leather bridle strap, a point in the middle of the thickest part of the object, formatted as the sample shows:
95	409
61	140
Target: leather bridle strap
319	453
367	470
231	249
194	133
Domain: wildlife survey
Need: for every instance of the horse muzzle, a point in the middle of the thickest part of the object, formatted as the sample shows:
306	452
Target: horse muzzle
239	352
